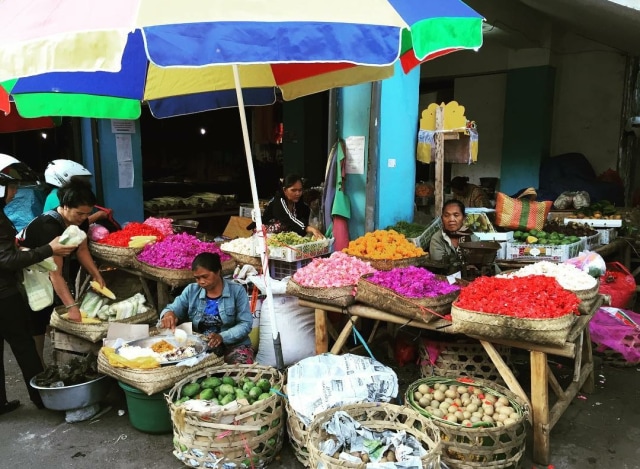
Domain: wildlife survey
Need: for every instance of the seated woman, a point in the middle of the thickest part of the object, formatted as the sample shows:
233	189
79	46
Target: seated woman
287	211
469	194
445	244
217	308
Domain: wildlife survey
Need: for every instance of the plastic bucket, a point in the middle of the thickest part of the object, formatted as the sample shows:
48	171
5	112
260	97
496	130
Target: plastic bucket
149	414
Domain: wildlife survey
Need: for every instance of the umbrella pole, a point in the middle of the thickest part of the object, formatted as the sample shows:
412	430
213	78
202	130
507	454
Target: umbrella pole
277	345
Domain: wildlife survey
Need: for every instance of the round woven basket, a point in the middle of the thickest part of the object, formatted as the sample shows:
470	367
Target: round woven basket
158	379
477	447
114	255
172	277
337	296
250	434
387	299
298	433
463	357
552	331
243	259
377	417
96	332
588	299
388	264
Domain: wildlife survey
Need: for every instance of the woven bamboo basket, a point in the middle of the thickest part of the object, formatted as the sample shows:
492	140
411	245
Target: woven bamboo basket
114	255
243	259
251	434
96	332
589	299
388	264
463	357
337	296
477	447
387	299
298	433
157	379
378	417
553	331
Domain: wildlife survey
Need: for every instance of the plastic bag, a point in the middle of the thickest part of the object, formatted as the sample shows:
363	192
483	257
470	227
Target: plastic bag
619	284
589	262
564	201
581	199
618	330
72	236
38	287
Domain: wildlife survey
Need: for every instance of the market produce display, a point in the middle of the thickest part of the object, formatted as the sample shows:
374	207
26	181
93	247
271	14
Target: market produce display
95	306
568	276
163	225
599	210
409	230
543	237
223	390
121	238
478	223
534	297
244	246
177	251
569	229
337	270
465	405
413	282
383	245
291	246
204	200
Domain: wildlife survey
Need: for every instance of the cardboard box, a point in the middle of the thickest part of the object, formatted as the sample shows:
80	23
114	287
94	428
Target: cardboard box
237	228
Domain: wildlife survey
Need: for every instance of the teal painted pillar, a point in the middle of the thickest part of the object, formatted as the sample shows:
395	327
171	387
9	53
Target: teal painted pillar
527	126
398	134
120	162
354	107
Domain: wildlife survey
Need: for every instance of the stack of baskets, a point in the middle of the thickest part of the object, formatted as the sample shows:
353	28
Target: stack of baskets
482	444
250	435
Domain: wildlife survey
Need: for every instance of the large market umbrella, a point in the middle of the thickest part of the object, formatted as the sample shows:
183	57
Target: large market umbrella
213	46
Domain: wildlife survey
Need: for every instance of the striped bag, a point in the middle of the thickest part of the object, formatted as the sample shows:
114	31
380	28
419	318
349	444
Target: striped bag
521	214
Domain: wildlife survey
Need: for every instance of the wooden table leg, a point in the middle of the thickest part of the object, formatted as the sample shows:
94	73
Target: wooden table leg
322	336
587	357
540	407
163	295
344	335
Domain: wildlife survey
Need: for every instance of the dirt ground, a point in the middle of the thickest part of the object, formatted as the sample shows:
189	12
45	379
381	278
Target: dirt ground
600	430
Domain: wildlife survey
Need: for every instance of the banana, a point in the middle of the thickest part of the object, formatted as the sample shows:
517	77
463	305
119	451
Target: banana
102	290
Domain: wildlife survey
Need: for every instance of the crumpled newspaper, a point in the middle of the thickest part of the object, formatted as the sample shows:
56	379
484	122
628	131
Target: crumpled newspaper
352	437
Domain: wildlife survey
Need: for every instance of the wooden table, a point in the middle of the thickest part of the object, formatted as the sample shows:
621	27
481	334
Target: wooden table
542	417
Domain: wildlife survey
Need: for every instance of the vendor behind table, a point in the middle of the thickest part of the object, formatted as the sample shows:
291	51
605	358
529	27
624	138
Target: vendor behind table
469	194
445	244
288	212
217	308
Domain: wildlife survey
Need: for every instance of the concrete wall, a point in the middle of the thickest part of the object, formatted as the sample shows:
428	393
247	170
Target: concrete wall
588	97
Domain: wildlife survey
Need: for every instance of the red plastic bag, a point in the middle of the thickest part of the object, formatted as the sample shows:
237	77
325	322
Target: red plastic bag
618	283
405	350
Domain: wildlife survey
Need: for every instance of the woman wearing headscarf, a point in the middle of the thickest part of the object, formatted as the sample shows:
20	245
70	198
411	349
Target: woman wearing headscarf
445	244
14	314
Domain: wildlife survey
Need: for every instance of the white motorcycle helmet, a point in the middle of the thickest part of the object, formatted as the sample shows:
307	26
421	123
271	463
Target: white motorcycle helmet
13	171
59	172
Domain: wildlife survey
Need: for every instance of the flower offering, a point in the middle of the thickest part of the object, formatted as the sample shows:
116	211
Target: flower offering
338	270
413	282
178	251
531	297
122	237
383	244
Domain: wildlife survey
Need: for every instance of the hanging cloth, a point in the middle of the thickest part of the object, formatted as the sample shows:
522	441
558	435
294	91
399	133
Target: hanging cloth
341	209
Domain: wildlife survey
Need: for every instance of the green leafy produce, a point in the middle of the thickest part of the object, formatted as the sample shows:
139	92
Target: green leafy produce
228	398
287	238
410	230
207	394
255	392
190	390
247	386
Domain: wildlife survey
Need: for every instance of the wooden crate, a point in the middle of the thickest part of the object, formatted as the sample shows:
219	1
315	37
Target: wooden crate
66	347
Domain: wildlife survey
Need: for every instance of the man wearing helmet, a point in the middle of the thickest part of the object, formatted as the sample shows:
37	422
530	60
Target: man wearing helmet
60	172
14	313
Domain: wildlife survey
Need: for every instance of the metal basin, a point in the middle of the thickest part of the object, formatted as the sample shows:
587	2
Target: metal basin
76	396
